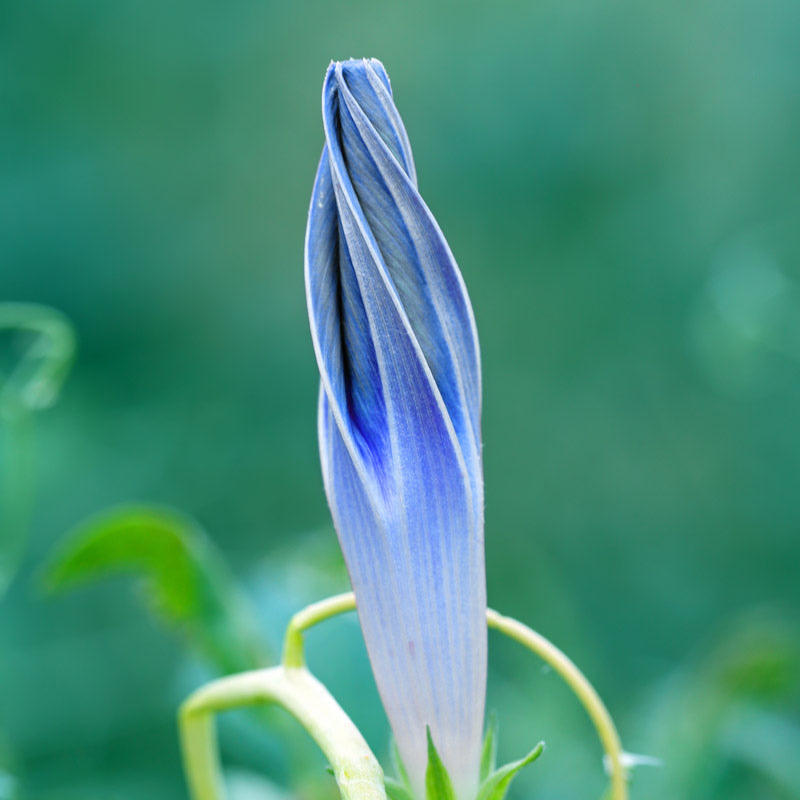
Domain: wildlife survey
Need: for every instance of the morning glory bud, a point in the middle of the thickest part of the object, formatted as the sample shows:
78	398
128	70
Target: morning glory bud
399	424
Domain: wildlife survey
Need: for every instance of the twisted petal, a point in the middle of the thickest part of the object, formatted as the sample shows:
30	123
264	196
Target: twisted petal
399	423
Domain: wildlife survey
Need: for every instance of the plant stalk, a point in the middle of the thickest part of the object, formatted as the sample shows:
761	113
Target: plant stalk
357	771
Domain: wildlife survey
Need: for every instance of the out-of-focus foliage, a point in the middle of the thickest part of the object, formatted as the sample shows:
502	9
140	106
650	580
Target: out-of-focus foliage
37	356
618	184
186	582
42	362
726	724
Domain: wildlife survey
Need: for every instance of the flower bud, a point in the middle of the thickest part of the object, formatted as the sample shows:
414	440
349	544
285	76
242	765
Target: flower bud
399	424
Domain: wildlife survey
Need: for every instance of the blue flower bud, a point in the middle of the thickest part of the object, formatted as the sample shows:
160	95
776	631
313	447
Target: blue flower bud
399	424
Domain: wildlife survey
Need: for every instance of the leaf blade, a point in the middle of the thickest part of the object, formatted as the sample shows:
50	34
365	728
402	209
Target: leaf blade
185	580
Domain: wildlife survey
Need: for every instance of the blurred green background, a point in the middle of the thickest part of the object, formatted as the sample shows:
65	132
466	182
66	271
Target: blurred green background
619	183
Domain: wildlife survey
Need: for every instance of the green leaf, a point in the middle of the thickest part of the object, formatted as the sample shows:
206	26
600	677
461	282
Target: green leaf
396	790
496	785
438	785
489	752
185	580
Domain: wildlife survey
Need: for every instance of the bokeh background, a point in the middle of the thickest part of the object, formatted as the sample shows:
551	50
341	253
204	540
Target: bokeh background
619	183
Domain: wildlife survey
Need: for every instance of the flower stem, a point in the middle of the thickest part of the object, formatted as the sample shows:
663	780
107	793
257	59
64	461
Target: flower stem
307	618
357	771
545	649
581	687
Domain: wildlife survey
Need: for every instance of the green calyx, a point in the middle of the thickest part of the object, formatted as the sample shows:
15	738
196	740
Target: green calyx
496	784
438	786
489	751
496	780
398	788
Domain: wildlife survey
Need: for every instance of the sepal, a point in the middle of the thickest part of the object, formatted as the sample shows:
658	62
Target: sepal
496	785
438	785
397	790
400	768
489	752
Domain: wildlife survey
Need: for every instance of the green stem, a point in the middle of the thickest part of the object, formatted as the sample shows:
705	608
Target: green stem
581	687
357	771
545	649
303	620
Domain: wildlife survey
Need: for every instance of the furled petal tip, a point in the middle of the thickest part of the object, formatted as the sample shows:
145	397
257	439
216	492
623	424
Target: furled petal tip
399	423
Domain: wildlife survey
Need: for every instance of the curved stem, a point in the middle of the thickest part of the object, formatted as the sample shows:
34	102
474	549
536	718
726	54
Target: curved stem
545	649
357	771
581	687
317	612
